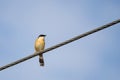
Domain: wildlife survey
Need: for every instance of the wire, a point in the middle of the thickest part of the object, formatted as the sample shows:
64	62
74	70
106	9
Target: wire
61	44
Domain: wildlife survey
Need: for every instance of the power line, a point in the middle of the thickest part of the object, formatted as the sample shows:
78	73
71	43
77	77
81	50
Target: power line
61	44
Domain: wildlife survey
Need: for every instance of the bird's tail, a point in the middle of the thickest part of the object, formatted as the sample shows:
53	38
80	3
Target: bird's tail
41	60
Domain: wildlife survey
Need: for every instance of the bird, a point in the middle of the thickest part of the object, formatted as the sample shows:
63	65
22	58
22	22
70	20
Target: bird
39	46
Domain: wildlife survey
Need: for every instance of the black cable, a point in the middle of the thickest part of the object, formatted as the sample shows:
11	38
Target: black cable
61	44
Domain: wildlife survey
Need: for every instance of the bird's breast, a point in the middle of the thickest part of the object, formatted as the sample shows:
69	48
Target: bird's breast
39	45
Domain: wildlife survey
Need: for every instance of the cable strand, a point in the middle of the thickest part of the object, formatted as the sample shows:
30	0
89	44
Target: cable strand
61	44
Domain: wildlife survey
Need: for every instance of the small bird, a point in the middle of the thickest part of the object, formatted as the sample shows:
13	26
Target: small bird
39	46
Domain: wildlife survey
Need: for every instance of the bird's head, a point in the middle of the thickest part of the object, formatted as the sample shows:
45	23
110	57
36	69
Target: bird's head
41	35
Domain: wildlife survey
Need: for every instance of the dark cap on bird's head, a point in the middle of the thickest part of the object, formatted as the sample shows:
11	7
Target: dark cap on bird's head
41	35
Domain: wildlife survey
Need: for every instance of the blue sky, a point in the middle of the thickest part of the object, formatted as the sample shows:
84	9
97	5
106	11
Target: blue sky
95	57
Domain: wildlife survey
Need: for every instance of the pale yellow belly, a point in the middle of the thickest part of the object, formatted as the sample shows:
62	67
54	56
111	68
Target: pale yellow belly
39	45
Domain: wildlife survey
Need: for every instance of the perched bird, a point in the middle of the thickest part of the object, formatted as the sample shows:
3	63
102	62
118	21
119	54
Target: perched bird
39	46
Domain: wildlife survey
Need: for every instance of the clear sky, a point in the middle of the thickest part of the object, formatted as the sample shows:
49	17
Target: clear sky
95	57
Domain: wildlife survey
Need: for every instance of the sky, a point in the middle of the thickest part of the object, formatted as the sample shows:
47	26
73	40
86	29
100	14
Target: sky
95	57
